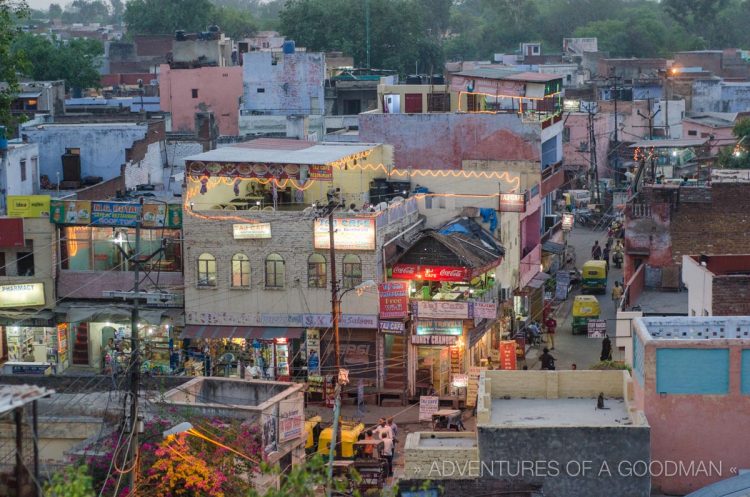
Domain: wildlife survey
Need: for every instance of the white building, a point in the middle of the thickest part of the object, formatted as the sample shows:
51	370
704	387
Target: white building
19	171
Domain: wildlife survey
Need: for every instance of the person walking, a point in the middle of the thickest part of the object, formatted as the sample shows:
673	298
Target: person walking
387	451
617	292
605	256
548	362
551	324
596	251
606	354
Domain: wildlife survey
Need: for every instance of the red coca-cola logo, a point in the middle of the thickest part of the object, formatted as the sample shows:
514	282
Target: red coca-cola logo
451	273
405	269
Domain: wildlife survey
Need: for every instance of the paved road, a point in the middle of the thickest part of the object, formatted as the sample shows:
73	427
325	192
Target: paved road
579	349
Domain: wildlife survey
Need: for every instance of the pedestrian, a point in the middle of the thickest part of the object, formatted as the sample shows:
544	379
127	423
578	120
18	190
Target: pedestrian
368	447
548	362
573	366
382	428
596	251
606	354
551	325
254	371
617	292
387	451
394	428
605	256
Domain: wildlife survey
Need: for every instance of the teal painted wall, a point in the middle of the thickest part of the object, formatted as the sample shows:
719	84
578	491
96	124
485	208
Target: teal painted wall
692	371
745	372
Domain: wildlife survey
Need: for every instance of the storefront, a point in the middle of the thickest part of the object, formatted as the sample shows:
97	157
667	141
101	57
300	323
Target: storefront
528	303
33	345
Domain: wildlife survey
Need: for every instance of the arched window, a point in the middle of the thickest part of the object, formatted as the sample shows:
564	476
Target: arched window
316	271
352	271
274	271
206	270
240	271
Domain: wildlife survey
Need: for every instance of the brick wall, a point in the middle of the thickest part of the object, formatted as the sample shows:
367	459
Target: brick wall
455	455
731	295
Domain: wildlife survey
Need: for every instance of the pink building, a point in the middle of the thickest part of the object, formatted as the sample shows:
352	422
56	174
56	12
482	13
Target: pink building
203	89
576	146
708	124
692	380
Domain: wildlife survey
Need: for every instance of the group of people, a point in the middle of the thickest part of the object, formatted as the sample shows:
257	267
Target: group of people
387	431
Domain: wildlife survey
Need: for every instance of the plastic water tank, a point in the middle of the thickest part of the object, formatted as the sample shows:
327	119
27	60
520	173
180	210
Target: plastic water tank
288	47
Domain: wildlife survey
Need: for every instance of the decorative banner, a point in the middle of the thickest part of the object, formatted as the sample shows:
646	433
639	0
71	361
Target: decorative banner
251	231
270	425
440	327
162	216
21	295
567	221
428	406
392	327
508	354
28	205
70	211
473	388
349	234
394	299
597	328
485	310
320	172
291	420
430	273
114	214
198	169
512	202
434	339
437	309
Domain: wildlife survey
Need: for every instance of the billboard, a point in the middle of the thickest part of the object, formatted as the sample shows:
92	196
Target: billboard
249	231
394	299
28	205
349	233
512	202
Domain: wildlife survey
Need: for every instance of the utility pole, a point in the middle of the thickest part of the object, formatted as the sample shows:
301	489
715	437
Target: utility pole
335	313
592	155
135	363
650	117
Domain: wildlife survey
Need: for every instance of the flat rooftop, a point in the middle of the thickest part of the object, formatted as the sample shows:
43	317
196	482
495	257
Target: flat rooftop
526	413
697	328
658	302
425	441
726	265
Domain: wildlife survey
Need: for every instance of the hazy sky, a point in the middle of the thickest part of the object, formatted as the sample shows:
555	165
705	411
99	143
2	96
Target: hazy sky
43	4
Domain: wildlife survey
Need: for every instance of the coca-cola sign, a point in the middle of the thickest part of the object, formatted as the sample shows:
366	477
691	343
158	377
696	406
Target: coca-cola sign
431	273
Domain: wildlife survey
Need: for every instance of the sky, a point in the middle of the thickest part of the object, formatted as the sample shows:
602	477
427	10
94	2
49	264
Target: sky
43	4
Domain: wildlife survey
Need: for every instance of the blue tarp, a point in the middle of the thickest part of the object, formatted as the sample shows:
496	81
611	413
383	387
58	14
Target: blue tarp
489	216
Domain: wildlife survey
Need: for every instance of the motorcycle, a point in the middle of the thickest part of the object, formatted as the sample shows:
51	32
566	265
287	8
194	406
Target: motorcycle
617	259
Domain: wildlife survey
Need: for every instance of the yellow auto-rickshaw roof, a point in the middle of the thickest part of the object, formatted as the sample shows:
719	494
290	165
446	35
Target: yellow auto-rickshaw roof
595	264
586	298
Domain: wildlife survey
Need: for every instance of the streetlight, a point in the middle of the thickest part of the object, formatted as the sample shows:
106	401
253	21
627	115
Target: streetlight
186	427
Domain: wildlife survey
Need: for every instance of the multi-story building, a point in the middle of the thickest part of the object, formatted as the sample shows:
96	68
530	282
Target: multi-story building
19	171
718	285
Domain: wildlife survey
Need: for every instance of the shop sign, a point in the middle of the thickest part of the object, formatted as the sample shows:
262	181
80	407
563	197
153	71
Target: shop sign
162	216
434	339
62	338
359	358
472	389
248	231
597	328
11	233
436	309
440	327
428	405
312	342
28	205
269	422
460	380
114	214
349	233
512	202
485	310
392	327
42	369
430	273
345	321
70	212
508	354
320	172
21	295
567	221
291	420
394	299
281	320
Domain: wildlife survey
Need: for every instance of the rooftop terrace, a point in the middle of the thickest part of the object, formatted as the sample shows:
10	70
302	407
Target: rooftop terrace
696	328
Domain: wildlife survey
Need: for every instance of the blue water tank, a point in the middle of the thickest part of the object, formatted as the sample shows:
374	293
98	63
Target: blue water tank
288	47
3	140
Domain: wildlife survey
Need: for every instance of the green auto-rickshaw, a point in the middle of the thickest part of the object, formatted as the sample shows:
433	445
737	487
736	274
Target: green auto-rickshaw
594	277
585	307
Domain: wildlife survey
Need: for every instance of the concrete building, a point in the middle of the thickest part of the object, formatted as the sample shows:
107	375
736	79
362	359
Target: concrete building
19	171
727	63
717	95
577	142
540	433
40	97
717	126
699	366
79	149
717	285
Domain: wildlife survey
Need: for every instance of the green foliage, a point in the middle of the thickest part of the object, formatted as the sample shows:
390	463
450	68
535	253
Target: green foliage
55	11
737	156
307	480
73	61
167	16
611	365
236	23
10	62
73	481
86	11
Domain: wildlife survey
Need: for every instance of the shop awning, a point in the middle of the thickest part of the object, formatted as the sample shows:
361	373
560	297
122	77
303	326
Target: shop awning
245	332
38	318
538	280
112	314
553	248
476	333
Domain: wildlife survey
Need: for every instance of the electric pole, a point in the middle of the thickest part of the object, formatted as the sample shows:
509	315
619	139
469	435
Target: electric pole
335	313
592	154
135	363
650	119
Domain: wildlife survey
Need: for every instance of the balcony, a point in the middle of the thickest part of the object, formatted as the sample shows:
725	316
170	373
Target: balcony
553	177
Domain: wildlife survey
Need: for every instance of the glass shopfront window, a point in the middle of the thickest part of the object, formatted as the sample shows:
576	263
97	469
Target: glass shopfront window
85	248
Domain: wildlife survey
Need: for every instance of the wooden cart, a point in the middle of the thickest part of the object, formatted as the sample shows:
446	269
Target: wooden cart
370	464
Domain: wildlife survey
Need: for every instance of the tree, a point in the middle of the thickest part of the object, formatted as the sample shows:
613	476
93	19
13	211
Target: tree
10	62
737	156
697	16
86	11
235	23
55	11
167	16
118	9
73	481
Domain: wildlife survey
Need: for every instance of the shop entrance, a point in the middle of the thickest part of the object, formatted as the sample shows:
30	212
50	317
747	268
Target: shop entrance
434	369
81	345
395	361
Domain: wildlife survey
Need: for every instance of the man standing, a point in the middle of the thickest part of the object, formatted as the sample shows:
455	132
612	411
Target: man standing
596	251
606	354
551	325
605	256
387	451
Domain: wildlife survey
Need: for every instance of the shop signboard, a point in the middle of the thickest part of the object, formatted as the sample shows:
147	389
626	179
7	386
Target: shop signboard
436	309
485	310
291	420
270	424
114	214
320	172
249	231
11	233
434	339
359	358
508	354
428	405
512	202
473	387
22	295
312	342
394	299
597	328
431	273
70	211
567	221
162	215
392	327
354	233
562	279
32	369
440	327
460	380
28	205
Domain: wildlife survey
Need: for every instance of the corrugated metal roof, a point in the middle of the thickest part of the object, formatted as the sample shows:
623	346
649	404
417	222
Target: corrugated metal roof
509	75
14	396
283	152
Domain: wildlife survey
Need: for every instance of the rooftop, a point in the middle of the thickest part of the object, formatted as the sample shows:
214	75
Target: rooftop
695	328
508	75
657	302
714	119
515	413
726	265
15	396
681	143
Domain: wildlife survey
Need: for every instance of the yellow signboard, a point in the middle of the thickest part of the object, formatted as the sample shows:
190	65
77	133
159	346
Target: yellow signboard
21	295
349	233
28	205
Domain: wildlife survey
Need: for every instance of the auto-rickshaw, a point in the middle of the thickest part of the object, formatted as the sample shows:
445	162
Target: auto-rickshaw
349	434
370	464
312	432
585	307
594	277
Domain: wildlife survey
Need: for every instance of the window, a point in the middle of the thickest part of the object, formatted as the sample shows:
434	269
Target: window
352	271
692	132
25	260
473	102
240	271
566	135
316	271
2	263
260	90
206	270
194	92
438	102
23	169
274	271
